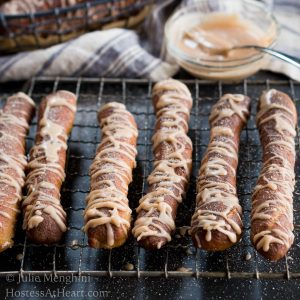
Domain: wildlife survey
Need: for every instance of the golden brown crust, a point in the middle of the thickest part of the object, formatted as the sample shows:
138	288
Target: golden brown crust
12	145
216	223
219	241
44	217
272	214
97	237
47	232
152	242
107	225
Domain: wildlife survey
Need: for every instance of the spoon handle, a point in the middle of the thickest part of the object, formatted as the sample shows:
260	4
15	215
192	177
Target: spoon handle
287	58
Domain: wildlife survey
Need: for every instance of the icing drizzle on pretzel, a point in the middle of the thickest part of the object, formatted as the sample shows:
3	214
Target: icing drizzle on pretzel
12	136
105	200
213	187
172	110
44	196
273	195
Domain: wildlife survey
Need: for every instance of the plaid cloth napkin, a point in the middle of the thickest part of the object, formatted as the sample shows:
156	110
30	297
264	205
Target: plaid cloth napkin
138	54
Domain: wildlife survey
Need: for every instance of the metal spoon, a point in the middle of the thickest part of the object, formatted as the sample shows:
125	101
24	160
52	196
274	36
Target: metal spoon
283	56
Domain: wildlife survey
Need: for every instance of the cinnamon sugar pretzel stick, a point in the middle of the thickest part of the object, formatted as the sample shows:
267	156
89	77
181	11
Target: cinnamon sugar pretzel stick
107	215
272	200
172	166
216	223
44	217
14	119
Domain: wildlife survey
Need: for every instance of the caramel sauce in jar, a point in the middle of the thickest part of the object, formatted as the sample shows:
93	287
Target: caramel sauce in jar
221	31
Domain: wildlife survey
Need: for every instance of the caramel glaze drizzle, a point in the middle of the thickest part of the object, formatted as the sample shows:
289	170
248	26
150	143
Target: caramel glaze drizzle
14	125
111	173
216	186
172	151
272	200
46	166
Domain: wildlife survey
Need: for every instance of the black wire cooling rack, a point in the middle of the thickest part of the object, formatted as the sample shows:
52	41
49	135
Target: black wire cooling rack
41	29
179	258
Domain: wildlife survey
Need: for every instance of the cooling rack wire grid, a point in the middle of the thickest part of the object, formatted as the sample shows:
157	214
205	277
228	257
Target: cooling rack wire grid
179	258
